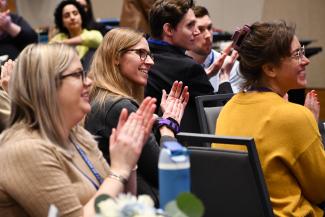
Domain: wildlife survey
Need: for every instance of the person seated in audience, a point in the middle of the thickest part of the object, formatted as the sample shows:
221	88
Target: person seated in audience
46	157
290	149
91	23
219	66
70	20
173	30
15	32
120	71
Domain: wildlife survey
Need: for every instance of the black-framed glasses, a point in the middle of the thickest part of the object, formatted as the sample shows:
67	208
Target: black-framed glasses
299	54
142	53
81	74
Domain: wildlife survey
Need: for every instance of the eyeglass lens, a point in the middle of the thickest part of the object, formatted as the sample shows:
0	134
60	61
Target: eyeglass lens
143	54
299	54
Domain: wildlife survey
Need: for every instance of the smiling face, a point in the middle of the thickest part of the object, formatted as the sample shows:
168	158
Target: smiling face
71	18
73	93
291	73
184	33
133	67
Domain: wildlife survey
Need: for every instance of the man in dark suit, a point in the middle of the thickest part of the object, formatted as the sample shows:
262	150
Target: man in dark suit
173	29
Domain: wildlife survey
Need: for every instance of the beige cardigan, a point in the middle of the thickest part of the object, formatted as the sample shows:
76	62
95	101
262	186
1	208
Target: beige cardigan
36	173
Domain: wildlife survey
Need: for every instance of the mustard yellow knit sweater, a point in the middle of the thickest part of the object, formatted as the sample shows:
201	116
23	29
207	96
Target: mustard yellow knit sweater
289	146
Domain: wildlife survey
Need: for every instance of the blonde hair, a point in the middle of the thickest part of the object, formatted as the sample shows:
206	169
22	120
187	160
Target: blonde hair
105	72
33	90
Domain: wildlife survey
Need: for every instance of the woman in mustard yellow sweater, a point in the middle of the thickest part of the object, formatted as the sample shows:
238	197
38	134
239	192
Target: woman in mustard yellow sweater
288	142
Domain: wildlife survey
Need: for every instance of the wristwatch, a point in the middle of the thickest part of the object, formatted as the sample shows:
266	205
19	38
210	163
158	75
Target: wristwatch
170	123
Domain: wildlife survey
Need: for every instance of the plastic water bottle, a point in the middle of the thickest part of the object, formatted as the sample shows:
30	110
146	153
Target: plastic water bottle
174	172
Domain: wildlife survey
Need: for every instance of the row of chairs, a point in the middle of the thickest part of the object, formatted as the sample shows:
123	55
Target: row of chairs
229	183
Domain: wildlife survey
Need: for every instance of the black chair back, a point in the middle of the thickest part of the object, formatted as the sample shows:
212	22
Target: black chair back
208	109
229	183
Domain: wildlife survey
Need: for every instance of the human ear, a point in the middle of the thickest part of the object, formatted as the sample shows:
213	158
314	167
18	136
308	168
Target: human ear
269	70
168	29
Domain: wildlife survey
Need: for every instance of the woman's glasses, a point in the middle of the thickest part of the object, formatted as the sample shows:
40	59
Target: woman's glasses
142	53
299	54
81	74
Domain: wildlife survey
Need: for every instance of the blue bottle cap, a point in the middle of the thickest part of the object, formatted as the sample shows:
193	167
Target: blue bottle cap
175	148
177	152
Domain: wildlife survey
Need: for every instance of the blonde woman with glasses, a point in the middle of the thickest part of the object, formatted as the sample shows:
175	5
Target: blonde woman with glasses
45	156
120	71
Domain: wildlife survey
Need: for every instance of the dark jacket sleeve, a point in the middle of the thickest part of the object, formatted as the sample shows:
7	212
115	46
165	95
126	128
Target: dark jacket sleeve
148	161
100	122
197	81
27	35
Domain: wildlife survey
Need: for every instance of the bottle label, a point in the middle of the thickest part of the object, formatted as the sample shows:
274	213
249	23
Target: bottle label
172	183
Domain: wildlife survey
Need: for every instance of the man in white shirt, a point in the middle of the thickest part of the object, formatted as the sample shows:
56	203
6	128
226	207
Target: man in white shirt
219	66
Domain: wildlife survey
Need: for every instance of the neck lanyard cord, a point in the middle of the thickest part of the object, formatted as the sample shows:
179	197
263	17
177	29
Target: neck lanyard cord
90	166
211	59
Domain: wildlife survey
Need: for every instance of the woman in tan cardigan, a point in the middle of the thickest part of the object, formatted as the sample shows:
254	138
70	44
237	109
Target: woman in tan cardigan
45	156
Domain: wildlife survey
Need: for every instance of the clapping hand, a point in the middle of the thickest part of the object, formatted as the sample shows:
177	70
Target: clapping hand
224	73
215	67
312	103
173	104
6	71
127	140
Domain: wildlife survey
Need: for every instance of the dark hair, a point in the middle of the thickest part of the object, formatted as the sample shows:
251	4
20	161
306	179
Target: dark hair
266	42
167	11
89	14
58	14
200	11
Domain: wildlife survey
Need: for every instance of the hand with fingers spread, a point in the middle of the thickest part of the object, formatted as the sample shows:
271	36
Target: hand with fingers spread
173	104
6	71
217	64
227	67
312	103
127	140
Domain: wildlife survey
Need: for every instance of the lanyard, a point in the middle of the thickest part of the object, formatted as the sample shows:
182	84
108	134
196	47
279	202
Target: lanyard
157	42
92	182
211	59
91	167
